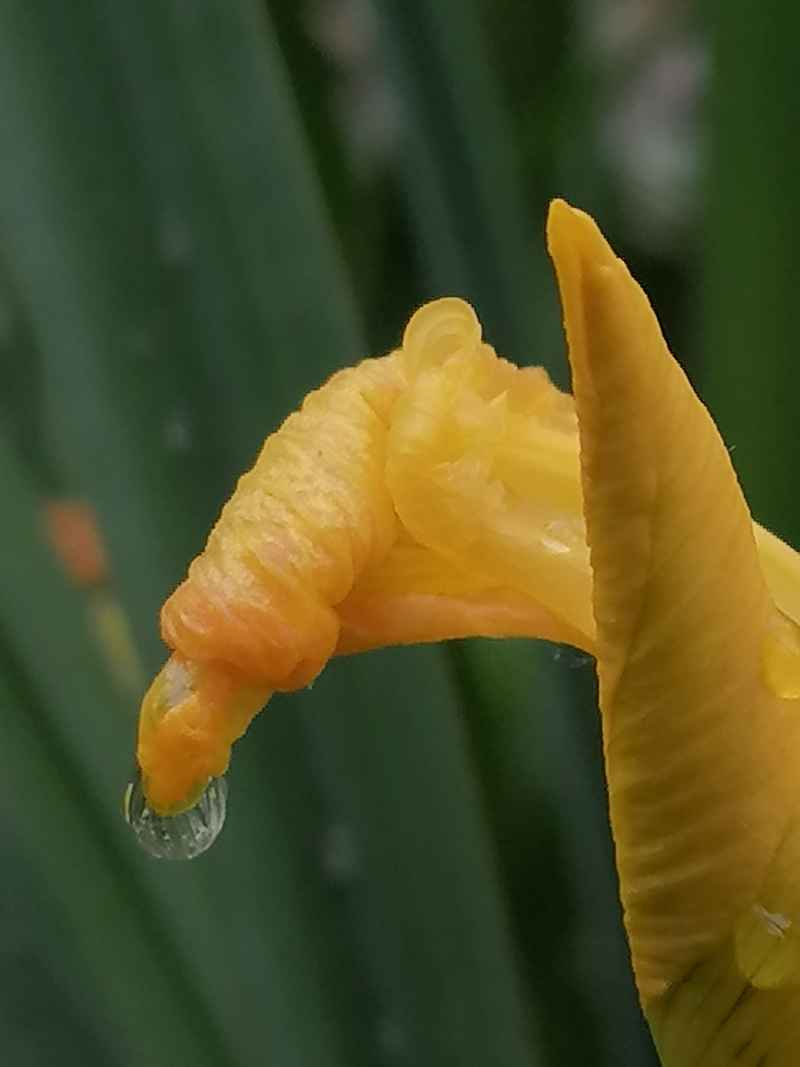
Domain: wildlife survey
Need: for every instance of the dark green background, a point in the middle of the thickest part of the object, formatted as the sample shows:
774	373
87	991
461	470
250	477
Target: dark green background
417	867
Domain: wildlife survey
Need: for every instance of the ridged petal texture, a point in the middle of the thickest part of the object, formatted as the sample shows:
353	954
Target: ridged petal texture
429	494
441	492
698	675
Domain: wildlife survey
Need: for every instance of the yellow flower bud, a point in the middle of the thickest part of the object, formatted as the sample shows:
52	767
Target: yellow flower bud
442	492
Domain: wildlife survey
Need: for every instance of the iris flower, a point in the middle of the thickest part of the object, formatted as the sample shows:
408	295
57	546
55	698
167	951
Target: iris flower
442	492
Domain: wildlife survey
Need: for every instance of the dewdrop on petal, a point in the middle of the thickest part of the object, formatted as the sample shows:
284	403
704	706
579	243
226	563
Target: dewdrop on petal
182	836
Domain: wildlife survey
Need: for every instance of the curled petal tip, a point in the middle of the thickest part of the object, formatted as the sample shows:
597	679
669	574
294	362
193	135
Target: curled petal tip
438	331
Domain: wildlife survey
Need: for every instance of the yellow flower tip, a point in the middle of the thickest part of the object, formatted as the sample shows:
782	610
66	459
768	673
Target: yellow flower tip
581	256
191	715
574	233
615	342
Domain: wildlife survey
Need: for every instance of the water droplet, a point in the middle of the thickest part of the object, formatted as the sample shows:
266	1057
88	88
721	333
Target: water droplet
767	947
561	536
781	654
182	836
573	658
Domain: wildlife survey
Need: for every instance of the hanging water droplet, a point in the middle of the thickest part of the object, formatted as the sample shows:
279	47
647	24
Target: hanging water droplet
182	836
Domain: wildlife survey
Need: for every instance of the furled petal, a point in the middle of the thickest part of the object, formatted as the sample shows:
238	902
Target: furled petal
430	494
693	659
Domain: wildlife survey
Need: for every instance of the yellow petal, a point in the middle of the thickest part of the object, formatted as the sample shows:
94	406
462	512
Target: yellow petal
483	471
430	494
191	715
698	746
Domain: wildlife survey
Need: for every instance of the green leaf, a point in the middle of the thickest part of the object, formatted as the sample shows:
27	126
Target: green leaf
59	713
170	245
476	233
116	336
752	316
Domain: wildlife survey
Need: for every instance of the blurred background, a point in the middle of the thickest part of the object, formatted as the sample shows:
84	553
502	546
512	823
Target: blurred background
206	207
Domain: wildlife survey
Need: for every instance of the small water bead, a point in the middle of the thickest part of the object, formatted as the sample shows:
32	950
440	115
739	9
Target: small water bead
562	536
767	947
182	836
573	658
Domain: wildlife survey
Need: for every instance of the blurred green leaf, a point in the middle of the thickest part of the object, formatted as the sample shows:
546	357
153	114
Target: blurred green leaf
48	1004
116	345
58	709
461	174
107	302
752	314
393	749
